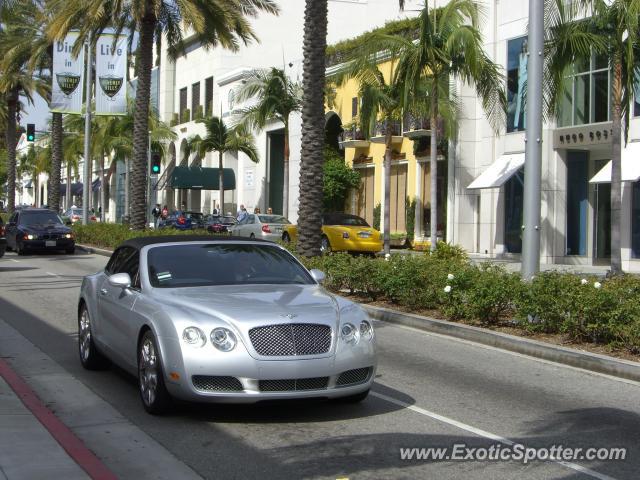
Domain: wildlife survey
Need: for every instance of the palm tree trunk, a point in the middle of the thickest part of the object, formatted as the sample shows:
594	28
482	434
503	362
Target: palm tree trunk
285	187
312	152
53	192
12	103
616	168
221	180
387	187
144	61
433	168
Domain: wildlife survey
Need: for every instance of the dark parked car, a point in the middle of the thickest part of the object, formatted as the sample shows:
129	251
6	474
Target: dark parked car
3	240
38	228
178	220
219	223
197	219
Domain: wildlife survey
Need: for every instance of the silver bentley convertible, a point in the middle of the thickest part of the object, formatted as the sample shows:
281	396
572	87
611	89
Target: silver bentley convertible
223	320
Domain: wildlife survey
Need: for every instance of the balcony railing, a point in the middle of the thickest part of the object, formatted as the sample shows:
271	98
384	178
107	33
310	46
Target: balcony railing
381	128
412	122
351	134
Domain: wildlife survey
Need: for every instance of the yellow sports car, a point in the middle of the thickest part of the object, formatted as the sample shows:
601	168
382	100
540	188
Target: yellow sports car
342	232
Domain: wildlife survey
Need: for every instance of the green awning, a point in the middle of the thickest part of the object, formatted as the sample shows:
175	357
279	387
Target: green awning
198	178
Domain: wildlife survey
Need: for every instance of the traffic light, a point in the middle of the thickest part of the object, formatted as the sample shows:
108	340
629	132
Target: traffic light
31	132
156	162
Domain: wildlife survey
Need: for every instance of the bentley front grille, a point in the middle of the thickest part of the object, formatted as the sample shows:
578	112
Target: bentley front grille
291	339
209	383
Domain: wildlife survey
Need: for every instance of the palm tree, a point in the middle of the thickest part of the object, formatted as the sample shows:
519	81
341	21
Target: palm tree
277	98
37	160
213	22
112	140
28	44
380	100
604	27
222	140
449	46
312	151
15	80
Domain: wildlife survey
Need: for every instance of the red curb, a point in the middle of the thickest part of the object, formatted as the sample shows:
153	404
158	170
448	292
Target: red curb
58	430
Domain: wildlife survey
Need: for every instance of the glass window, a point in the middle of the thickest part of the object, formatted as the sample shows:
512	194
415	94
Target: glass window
39	218
585	98
577	203
223	264
344	219
635	221
273	219
516	83
117	260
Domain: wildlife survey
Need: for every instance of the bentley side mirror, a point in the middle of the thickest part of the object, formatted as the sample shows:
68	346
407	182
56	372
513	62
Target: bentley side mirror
318	275
122	280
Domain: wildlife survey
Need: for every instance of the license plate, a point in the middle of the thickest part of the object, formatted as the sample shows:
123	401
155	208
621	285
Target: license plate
279	229
364	234
50	243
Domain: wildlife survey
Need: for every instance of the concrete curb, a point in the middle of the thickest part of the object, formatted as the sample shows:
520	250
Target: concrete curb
554	353
97	251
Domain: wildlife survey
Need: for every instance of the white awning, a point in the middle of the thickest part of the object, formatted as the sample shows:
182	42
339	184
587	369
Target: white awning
630	166
499	172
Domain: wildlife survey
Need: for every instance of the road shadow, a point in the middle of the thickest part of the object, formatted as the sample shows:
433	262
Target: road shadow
15	269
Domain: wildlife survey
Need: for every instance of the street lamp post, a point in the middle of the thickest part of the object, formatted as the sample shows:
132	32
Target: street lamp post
86	171
533	152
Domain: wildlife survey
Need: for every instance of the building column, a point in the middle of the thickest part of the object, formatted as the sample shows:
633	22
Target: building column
417	227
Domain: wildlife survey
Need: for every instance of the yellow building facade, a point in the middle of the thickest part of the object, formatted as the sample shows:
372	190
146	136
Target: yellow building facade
410	172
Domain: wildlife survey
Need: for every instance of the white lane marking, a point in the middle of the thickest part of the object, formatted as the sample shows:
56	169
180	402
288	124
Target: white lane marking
515	354
17	261
52	274
484	433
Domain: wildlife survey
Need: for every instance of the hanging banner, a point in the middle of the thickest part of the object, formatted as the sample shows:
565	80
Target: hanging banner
111	69
68	74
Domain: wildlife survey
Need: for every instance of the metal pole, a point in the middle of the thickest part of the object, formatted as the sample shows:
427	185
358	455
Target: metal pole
149	207
86	173
533	152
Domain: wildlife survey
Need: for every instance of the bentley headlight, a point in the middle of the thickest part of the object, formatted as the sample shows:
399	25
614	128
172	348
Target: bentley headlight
31	237
68	235
194	336
350	334
366	330
223	339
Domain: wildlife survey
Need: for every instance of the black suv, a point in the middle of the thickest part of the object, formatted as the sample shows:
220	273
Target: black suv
38	228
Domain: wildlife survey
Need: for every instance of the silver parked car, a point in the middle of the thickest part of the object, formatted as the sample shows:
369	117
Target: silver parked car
223	320
264	226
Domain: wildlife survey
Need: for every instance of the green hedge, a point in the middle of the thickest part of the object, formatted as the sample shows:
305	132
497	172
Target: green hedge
584	309
110	235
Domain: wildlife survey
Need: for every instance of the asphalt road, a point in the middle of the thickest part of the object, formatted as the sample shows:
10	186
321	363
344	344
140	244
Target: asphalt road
431	391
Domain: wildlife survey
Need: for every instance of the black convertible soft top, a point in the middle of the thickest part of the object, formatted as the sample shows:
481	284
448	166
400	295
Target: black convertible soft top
140	242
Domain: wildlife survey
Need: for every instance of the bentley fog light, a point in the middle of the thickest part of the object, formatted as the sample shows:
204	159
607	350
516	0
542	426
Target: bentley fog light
223	339
350	334
194	336
366	330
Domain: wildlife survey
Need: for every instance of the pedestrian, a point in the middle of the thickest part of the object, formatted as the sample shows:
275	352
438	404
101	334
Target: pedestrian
242	213
256	210
270	211
165	212
156	212
216	210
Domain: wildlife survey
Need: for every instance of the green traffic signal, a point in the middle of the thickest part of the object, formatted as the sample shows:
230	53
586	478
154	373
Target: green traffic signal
156	162
31	132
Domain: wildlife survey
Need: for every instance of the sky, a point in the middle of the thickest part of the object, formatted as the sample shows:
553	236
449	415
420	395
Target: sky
37	113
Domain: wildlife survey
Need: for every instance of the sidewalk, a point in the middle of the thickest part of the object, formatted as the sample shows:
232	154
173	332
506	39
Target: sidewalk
37	444
27	449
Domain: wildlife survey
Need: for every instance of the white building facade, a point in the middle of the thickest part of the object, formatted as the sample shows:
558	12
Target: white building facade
485	186
203	82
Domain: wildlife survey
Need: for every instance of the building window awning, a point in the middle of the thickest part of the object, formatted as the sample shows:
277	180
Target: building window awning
499	172
630	166
198	178
76	189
